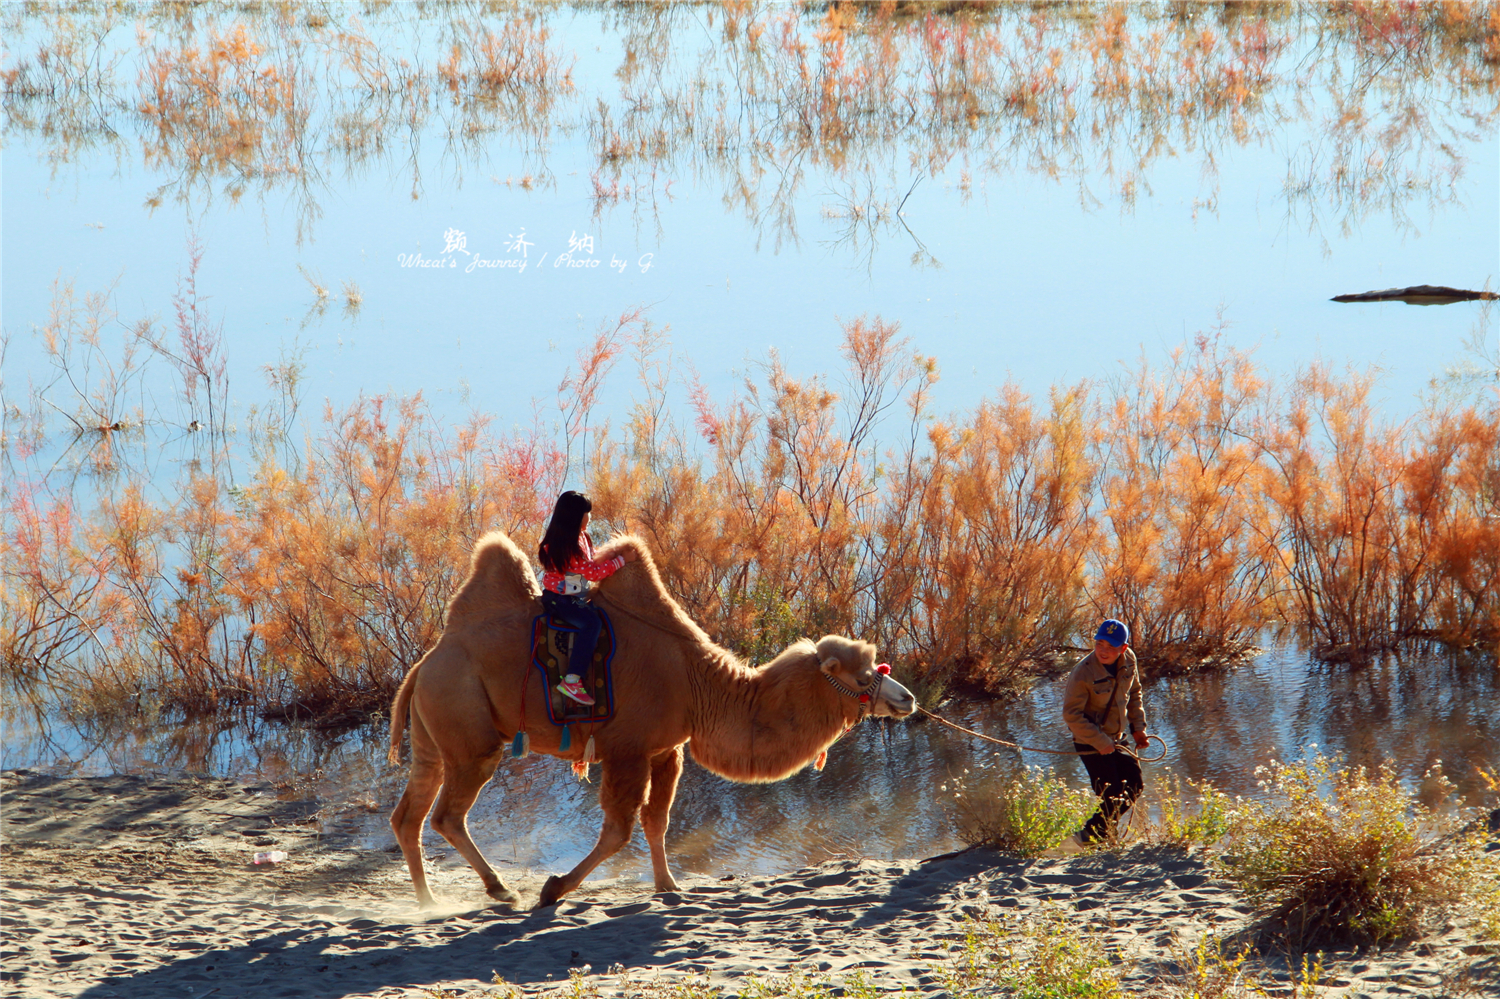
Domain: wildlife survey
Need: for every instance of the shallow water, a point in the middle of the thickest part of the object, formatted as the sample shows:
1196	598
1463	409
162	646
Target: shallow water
1044	248
880	795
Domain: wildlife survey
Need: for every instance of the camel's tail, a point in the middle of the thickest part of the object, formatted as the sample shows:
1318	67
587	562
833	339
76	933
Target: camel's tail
400	708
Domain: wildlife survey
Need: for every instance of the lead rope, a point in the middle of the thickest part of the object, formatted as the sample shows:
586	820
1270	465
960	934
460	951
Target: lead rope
1054	752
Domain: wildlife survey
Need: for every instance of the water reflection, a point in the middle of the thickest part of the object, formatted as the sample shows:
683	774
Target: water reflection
229	743
1367	106
879	795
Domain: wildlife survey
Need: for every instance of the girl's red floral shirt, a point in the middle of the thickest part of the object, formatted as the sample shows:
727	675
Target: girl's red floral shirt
583	565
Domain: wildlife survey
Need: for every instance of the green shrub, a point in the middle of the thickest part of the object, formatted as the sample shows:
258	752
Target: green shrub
1348	855
1029	815
1046	957
1189	813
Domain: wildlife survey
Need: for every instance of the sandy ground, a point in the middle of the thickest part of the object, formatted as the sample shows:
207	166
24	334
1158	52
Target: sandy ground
139	886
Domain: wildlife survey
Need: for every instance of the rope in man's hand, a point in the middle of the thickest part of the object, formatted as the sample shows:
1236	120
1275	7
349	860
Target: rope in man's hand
1054	752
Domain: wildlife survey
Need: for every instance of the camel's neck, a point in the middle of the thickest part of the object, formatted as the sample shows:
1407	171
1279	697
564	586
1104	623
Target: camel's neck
765	724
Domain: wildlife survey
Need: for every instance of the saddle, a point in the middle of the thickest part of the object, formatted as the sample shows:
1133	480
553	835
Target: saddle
551	646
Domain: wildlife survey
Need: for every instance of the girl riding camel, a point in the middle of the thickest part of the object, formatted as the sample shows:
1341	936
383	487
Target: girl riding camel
568	565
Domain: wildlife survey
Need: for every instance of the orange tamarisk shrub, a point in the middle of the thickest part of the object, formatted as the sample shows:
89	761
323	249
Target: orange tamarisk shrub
1181	560
999	538
967	557
125	535
52	606
1334	485
578	393
499	79
312	590
234	105
1424	461
703	524
1450	530
192	621
776	537
346	566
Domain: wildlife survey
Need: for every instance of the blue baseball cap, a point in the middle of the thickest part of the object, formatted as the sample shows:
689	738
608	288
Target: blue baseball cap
1114	632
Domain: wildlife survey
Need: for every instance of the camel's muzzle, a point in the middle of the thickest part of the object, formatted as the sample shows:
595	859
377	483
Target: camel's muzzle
893	700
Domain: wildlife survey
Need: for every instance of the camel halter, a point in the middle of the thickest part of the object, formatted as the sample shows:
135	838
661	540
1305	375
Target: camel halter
862	694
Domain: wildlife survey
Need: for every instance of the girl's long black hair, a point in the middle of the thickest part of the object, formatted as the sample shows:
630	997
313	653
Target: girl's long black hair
560	543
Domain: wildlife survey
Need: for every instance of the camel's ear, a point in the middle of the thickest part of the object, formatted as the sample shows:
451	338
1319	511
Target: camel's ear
830	664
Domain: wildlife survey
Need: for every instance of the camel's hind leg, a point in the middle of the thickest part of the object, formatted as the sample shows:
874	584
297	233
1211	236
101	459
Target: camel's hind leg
665	769
421	787
462	783
622	788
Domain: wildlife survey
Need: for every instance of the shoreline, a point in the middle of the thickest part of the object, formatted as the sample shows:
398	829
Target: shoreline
138	886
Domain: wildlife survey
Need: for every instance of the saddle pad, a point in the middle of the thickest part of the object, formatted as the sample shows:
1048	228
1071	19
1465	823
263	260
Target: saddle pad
549	654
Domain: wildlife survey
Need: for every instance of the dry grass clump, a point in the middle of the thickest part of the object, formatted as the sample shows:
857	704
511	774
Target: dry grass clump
801	985
1208	973
1030	814
1488	923
1034	812
1349	855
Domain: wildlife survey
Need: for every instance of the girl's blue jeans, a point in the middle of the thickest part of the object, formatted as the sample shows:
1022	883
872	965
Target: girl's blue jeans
581	616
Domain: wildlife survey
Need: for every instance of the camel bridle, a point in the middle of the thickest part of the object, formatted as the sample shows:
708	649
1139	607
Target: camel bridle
865	694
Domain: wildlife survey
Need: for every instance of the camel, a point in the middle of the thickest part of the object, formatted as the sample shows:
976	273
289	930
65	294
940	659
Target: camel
673	687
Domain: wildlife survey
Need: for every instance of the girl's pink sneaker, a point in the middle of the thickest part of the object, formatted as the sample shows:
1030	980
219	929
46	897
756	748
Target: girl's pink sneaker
572	688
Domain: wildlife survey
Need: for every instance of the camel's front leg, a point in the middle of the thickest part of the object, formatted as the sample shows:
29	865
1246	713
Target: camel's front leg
622	788
665	769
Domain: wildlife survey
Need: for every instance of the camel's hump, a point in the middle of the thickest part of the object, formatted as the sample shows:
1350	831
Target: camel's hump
499	570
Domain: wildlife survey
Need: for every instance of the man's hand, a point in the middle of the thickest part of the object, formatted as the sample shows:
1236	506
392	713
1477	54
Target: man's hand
1109	747
1142	740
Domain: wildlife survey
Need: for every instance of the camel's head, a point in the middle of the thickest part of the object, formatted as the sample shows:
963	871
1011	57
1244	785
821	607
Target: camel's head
850	665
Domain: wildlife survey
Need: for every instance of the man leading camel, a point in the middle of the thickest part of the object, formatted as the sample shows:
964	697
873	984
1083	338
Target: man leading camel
1104	690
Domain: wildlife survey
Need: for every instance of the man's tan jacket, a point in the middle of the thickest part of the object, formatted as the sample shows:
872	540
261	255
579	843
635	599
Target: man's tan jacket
1096	704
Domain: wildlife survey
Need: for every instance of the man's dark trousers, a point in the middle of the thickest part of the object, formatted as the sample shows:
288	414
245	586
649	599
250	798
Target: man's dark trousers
1117	781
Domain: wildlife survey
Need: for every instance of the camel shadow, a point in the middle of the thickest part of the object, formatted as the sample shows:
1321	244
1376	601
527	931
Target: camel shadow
366	955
